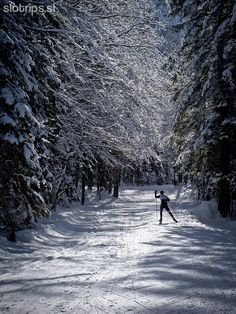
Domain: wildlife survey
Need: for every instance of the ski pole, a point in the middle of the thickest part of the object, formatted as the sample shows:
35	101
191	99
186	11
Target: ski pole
156	208
174	212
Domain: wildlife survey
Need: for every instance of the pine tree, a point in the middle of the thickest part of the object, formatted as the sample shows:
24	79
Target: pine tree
204	131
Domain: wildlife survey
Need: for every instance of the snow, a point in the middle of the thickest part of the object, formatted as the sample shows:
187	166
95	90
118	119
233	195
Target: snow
28	151
233	18
23	110
228	75
228	49
5	39
7	94
6	119
11	138
111	256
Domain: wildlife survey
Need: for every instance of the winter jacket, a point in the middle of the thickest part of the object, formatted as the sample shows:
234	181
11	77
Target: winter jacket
164	198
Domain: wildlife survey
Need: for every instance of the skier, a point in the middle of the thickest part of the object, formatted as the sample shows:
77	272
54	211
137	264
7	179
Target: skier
164	204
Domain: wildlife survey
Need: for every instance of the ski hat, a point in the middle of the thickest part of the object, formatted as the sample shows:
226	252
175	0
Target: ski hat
161	192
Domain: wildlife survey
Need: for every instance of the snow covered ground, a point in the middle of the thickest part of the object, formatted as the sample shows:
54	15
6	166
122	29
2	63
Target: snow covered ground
112	257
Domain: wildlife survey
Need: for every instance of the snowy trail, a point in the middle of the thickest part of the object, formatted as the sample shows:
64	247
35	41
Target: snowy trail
114	258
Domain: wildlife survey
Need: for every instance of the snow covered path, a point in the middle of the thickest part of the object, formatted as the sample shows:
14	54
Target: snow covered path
114	258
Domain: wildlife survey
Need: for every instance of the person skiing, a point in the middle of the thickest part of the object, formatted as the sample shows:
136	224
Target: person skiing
164	204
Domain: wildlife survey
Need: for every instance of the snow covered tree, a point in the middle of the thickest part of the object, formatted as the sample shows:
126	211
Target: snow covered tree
114	90
22	123
204	130
81	100
28	113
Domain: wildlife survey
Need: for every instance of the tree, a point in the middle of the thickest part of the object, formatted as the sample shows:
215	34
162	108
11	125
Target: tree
81	88
204	130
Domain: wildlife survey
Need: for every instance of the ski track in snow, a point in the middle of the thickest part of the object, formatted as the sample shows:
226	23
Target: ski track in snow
113	257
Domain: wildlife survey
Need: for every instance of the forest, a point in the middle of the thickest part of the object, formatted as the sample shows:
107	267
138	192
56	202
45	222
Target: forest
96	94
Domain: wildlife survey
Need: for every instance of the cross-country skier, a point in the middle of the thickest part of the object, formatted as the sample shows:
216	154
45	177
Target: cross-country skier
164	204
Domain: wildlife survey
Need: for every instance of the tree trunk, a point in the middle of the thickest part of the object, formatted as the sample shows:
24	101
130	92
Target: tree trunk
99	192
224	199
137	176
77	174
54	196
82	188
226	97
116	183
110	186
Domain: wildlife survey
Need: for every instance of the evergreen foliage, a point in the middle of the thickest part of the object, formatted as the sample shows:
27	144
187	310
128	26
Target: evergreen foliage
205	83
81	101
